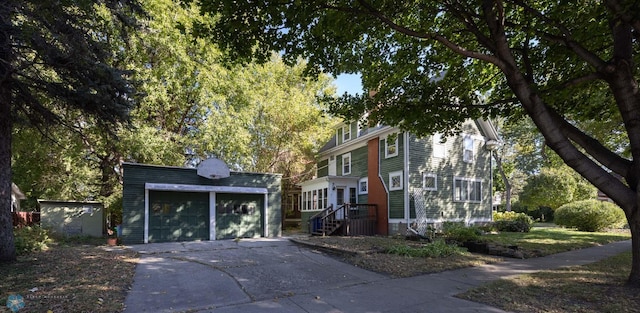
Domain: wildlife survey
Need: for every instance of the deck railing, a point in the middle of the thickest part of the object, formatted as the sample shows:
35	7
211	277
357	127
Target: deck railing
347	220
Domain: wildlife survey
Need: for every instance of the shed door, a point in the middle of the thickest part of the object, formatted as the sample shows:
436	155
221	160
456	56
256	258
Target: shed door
239	215
178	216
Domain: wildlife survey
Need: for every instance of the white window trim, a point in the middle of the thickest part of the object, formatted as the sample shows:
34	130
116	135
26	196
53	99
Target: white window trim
346	130
344	156
366	181
393	174
464	149
424	181
469	186
387	145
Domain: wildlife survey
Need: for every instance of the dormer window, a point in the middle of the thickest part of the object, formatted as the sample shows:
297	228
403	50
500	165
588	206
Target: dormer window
346	133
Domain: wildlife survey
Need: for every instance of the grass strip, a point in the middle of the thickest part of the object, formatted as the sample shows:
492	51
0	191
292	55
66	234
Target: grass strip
593	288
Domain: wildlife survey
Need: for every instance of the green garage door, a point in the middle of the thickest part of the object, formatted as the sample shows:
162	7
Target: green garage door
178	216
239	215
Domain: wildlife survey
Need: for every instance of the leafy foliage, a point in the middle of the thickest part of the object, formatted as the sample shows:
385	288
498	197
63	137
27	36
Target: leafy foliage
459	233
553	187
590	215
512	222
31	239
429	66
436	249
190	106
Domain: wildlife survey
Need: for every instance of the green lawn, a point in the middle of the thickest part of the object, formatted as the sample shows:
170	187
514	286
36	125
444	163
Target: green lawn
592	288
550	240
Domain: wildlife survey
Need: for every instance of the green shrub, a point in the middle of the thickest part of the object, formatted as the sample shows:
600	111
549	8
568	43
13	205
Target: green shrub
590	215
459	233
512	222
436	249
31	239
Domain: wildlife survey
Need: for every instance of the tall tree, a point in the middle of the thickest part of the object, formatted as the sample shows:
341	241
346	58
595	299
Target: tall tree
559	62
55	58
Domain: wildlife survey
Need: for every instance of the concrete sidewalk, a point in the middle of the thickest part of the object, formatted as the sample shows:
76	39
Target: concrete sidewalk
274	275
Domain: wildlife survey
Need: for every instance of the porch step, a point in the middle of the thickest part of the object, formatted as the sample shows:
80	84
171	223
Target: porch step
328	228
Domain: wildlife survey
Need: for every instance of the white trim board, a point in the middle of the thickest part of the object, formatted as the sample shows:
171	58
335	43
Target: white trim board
204	188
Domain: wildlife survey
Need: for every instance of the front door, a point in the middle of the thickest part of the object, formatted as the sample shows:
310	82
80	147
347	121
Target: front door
341	199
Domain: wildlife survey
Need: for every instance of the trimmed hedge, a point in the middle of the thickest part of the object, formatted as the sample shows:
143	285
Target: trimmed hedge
459	233
590	215
512	222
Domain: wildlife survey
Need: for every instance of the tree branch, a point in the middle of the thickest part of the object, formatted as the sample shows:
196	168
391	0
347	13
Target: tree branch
371	11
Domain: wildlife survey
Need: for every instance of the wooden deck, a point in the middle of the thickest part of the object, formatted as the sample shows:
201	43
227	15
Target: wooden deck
347	220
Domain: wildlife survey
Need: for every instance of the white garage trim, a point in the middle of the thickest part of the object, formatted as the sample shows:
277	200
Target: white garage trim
212	190
212	212
204	188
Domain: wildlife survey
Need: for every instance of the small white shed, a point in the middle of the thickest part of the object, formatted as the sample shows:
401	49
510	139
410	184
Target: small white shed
73	218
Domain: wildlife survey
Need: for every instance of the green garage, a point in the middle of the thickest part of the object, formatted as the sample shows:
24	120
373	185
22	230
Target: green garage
166	204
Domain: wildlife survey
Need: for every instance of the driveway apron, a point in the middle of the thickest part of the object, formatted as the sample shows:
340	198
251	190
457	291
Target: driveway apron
174	277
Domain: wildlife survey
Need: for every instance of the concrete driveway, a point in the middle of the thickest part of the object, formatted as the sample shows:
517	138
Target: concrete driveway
276	275
250	275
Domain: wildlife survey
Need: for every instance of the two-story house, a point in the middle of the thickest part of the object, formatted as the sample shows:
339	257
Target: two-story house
447	179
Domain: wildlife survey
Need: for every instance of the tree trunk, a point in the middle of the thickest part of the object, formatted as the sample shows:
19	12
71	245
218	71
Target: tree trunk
7	245
634	226
507	184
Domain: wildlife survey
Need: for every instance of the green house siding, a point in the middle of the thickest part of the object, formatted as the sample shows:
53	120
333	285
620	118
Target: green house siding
439	203
358	163
389	165
133	195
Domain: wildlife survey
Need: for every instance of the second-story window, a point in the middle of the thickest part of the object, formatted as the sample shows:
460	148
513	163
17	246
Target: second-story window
346	164
467	155
346	133
391	146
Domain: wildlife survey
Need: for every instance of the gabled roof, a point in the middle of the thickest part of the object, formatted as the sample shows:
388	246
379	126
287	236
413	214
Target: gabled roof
486	127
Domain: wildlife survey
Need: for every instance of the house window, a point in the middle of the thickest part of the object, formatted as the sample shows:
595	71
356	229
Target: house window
324	197
346	164
353	197
467	189
395	180
429	181
391	146
363	186
468	149
438	146
346	133
315	199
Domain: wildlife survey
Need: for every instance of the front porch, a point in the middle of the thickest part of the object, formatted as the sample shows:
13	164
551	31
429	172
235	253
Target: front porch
349	219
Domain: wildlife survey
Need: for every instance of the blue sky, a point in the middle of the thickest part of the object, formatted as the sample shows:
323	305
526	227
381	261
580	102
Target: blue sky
350	83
